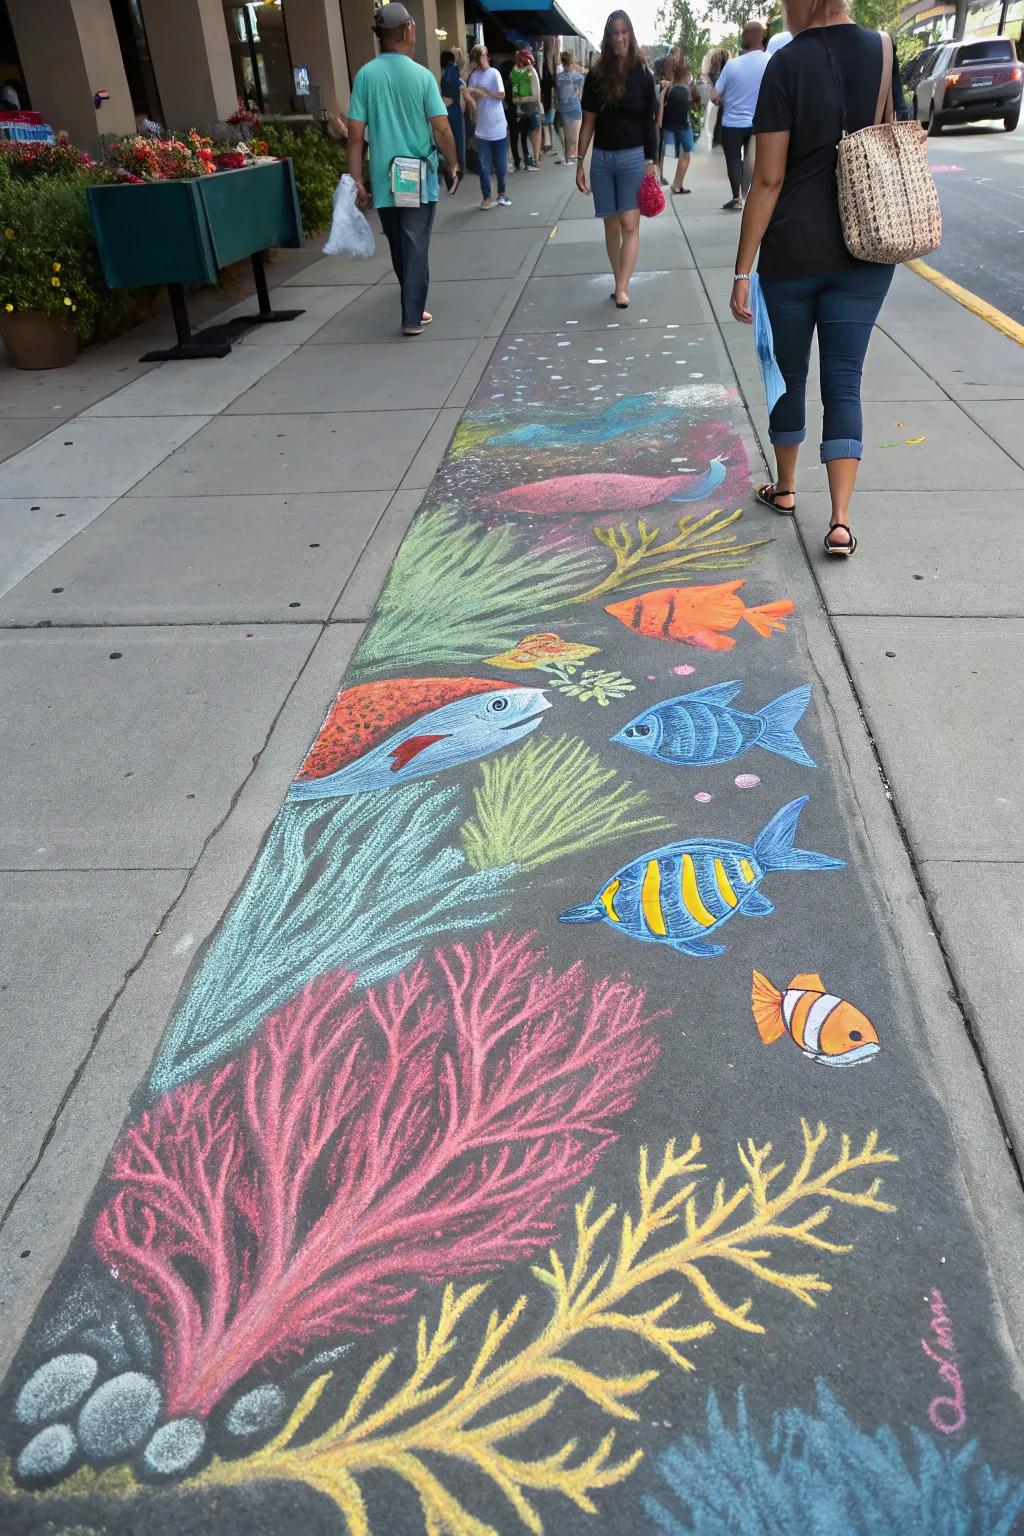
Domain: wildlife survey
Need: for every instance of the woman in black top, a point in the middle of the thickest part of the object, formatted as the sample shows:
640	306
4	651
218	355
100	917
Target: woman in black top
619	107
809	280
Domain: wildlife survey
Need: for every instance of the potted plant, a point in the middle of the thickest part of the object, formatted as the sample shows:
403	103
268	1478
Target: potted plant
50	282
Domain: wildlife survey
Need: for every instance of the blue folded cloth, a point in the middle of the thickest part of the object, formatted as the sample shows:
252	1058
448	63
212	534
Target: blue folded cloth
771	375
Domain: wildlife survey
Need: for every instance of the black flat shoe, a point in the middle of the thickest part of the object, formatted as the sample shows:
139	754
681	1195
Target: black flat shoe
842	550
681	191
769	495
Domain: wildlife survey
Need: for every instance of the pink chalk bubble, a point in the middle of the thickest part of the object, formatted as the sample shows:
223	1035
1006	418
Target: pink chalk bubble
702	797
685	670
746	781
651	678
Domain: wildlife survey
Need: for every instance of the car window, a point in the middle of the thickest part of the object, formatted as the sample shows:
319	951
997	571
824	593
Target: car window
995	50
918	68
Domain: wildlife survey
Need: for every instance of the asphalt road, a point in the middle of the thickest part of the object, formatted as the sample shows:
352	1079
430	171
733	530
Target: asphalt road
980	172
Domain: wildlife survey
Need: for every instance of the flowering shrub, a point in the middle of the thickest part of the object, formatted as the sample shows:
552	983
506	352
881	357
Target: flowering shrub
243	116
48	255
140	159
26	161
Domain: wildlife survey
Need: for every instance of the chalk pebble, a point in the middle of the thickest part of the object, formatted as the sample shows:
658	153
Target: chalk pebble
746	781
702	797
119	1415
48	1453
175	1446
55	1387
684	670
259	1410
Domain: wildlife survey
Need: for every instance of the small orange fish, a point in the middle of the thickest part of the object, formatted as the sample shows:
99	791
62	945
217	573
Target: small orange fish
698	615
827	1029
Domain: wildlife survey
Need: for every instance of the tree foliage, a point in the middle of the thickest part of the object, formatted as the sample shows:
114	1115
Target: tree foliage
679	23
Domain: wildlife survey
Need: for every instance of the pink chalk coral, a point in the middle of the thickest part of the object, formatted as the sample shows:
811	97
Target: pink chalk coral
367	1142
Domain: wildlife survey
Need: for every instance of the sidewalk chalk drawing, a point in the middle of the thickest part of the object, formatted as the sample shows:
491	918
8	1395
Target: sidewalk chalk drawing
572	495
474	1402
680	894
379	734
824	1027
702	728
395	1239
362	885
562	662
548	800
701	544
947	1411
736	1480
349	1155
700	615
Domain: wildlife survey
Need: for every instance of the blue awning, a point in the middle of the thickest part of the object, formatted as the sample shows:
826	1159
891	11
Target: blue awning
546	19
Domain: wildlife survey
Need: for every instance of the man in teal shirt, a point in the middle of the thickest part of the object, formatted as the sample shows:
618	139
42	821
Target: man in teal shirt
398	101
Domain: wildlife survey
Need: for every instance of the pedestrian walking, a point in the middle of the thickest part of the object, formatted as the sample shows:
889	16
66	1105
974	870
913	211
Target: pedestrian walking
568	89
809	280
711	67
398	101
453	94
487	91
547	101
526	96
674	119
737	89
505	68
619	109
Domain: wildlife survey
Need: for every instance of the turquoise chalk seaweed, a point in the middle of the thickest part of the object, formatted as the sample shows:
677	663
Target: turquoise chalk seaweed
362	886
807	1467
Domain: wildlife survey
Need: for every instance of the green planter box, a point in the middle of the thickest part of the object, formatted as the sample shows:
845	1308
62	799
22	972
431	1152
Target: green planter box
180	232
185	231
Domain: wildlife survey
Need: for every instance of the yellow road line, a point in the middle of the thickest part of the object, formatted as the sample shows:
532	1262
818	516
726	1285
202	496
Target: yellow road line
971	301
553	233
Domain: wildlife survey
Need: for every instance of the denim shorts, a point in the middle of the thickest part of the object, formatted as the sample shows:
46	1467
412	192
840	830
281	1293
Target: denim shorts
679	140
615	177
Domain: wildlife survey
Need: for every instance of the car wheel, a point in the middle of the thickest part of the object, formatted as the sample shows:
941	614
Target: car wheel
935	123
1010	122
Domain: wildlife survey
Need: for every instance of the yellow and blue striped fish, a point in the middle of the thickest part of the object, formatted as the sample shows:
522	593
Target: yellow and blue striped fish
678	895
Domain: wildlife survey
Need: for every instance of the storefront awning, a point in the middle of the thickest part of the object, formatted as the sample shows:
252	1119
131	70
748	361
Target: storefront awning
544	20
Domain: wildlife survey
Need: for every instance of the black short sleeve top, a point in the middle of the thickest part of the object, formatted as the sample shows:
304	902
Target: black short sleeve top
803	93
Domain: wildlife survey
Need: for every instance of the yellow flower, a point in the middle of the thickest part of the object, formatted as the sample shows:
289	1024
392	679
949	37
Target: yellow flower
55	282
66	299
73	308
9	308
56	266
9	232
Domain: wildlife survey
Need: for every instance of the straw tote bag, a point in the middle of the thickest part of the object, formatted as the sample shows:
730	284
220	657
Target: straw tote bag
888	202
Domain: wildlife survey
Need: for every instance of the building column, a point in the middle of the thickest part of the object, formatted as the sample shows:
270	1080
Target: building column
428	49
360	44
316	39
451	16
69	51
188	46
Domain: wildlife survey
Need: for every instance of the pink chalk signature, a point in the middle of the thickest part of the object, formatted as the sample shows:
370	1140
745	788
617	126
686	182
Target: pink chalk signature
947	1412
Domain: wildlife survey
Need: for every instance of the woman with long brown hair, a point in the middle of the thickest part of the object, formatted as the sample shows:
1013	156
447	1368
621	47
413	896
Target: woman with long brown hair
619	107
826	81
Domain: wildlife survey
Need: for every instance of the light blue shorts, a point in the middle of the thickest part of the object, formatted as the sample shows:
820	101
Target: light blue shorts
679	141
615	177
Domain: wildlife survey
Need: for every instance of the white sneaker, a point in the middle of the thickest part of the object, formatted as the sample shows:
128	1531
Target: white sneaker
504	202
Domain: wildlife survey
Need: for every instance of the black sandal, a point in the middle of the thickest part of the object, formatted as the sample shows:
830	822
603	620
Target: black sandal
769	495
843	550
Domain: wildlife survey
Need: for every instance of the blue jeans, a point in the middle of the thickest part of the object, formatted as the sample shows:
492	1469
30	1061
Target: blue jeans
493	157
457	123
842	306
408	235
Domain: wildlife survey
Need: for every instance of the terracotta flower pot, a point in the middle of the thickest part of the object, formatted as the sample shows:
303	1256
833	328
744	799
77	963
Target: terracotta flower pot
37	340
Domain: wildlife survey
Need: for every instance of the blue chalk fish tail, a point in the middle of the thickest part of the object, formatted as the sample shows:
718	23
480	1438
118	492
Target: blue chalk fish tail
707	485
774	847
780	720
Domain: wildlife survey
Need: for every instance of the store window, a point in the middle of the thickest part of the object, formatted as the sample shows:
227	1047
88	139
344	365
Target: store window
260	57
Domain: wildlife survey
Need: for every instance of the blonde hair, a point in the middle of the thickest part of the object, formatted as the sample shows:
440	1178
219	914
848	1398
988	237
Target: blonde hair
458	56
476	54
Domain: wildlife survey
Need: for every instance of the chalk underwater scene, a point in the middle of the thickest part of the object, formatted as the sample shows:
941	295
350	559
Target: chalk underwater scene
495	1174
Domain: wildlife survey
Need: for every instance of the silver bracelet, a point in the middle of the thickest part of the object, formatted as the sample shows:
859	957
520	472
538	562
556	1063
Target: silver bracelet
741	277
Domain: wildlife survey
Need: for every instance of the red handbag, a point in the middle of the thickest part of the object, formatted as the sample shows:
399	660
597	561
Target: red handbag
650	199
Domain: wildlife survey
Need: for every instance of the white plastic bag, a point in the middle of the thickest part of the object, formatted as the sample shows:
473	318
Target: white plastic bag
350	233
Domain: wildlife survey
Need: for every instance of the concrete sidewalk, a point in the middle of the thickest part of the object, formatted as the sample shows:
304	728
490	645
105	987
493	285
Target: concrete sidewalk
190	559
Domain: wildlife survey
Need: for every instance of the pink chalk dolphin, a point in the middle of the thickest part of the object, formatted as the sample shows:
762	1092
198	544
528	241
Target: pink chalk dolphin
568	494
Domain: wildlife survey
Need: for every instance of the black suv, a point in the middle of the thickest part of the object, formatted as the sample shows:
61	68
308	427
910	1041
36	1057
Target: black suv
966	83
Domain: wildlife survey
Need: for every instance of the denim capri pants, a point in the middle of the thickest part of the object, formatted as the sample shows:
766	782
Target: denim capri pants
679	140
615	177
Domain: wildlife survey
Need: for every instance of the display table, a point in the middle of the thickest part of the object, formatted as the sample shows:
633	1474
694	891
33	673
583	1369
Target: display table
178	232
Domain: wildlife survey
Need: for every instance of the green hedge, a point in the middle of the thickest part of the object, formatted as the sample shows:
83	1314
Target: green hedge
319	163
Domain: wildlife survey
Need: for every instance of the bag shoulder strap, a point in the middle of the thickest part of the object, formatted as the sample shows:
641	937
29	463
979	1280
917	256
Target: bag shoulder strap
884	111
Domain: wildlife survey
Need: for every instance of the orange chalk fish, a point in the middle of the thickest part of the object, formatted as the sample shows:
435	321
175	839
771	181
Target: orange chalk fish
699	615
828	1030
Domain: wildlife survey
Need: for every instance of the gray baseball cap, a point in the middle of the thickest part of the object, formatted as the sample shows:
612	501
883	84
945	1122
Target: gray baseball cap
390	17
